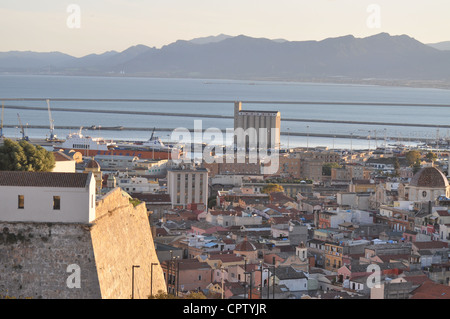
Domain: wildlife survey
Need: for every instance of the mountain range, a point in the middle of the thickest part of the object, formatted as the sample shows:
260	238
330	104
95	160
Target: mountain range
381	57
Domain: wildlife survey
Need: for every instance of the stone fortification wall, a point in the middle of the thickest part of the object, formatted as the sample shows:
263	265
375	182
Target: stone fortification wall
59	260
38	260
121	237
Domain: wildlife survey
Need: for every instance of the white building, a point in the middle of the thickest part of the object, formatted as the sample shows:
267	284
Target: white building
116	161
354	216
428	184
227	219
47	197
188	185
136	184
292	279
63	163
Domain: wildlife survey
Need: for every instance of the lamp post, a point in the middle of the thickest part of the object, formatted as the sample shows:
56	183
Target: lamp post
246	285
251	284
178	274
221	268
169	262
151	278
262	286
245	276
132	280
273	284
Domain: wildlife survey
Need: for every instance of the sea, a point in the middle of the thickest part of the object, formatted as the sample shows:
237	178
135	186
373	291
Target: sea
362	136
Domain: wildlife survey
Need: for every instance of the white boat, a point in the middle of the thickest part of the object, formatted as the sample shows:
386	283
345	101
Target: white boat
77	141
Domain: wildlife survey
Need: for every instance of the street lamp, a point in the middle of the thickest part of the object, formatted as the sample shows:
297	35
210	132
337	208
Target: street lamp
132	280
221	268
178	274
249	295
168	267
261	269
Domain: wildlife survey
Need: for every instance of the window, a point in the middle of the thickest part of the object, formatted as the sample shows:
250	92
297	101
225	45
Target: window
56	202
21	203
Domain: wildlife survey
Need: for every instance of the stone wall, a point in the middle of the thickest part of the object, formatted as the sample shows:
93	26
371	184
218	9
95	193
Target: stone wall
45	260
121	237
35	260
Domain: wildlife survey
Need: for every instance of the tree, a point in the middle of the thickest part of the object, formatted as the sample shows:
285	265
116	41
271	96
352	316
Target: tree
326	168
431	156
24	156
412	157
272	188
212	202
416	166
191	295
396	166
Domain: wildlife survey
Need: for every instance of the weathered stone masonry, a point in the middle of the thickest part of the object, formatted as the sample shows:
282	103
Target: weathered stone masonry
34	257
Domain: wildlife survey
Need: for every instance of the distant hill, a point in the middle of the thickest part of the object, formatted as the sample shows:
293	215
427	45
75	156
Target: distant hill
27	60
381	56
211	39
441	45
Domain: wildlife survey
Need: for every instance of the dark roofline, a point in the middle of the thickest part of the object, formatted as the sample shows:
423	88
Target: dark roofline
45	179
256	111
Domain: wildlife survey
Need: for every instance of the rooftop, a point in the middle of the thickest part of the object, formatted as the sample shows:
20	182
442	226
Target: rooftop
61	157
429	177
285	273
44	179
431	290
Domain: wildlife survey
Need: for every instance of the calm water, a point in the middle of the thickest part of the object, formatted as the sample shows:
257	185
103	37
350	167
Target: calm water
190	89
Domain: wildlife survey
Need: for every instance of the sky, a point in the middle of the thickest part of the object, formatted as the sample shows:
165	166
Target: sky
81	27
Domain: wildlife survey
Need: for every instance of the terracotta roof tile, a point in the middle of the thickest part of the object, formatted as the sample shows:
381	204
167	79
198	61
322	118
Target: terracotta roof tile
431	290
429	177
60	157
43	179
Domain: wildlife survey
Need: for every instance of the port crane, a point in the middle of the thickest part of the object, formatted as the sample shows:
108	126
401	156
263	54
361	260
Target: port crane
22	130
52	137
1	126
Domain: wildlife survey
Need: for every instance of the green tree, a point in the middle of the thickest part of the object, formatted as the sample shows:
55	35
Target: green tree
431	156
190	295
326	168
412	157
272	188
416	166
24	156
212	202
396	167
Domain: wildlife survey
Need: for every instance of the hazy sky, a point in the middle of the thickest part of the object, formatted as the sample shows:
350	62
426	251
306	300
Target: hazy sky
47	25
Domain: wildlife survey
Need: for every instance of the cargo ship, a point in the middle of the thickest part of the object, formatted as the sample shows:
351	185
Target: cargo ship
153	148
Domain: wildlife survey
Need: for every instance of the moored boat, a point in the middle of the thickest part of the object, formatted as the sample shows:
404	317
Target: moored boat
154	148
